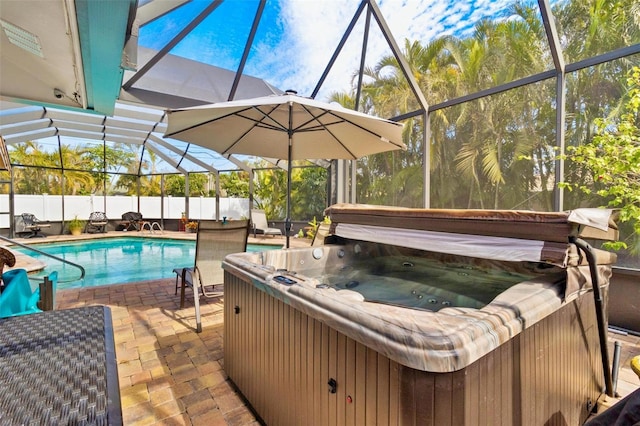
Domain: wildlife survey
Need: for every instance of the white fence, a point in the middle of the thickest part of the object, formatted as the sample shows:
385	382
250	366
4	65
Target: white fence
49	207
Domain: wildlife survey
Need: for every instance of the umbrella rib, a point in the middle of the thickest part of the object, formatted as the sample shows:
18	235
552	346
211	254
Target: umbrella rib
320	126
260	123
256	123
267	115
399	145
342	120
238	114
203	123
316	118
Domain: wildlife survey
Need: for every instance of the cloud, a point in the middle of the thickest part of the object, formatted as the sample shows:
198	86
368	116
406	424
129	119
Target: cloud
297	38
311	32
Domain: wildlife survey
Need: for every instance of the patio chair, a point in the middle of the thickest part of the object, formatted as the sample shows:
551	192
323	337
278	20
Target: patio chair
215	240
97	222
260	224
29	226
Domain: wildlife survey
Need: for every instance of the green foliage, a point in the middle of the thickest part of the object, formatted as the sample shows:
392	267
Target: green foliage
38	179
496	151
82	164
83	175
612	159
235	184
313	224
174	185
308	191
270	191
119	157
198	184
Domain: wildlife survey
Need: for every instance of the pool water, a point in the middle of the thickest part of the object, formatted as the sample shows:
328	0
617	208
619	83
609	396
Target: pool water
119	260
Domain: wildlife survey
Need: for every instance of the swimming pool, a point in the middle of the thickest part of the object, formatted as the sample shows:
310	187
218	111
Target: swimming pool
119	260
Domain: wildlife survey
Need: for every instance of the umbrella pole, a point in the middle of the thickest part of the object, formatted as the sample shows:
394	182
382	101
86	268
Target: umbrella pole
287	220
287	224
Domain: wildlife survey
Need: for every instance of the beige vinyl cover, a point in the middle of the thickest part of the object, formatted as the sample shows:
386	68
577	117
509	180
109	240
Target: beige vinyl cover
522	224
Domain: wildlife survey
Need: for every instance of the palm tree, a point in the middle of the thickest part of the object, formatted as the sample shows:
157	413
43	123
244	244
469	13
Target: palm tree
78	181
36	179
503	145
270	190
496	131
594	27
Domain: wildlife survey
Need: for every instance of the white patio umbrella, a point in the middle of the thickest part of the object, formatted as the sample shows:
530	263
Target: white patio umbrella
287	127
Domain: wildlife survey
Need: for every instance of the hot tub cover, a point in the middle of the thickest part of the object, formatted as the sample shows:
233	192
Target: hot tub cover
523	224
510	235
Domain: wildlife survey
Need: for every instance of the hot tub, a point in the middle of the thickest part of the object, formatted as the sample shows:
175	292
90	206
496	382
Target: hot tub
405	324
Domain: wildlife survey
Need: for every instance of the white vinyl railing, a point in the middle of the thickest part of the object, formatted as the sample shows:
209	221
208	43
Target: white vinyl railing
49	207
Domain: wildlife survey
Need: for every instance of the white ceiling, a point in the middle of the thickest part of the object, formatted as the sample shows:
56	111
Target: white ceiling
42	54
62	69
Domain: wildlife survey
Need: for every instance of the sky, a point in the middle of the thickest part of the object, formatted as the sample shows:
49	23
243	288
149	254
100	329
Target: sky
296	38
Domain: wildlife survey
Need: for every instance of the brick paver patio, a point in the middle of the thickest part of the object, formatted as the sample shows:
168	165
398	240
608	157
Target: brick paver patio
168	373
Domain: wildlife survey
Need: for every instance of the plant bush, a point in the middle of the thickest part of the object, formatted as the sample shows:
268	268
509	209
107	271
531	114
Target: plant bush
612	158
76	223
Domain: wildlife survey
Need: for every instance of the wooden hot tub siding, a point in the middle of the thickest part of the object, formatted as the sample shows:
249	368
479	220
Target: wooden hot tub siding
282	360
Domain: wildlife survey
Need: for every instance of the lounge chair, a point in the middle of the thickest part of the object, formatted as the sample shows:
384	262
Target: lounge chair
29	226
260	224
215	240
97	222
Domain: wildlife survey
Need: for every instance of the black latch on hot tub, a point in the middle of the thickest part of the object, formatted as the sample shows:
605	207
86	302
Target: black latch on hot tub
284	280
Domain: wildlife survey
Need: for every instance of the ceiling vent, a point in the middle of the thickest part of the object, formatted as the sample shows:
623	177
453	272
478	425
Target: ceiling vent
22	38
